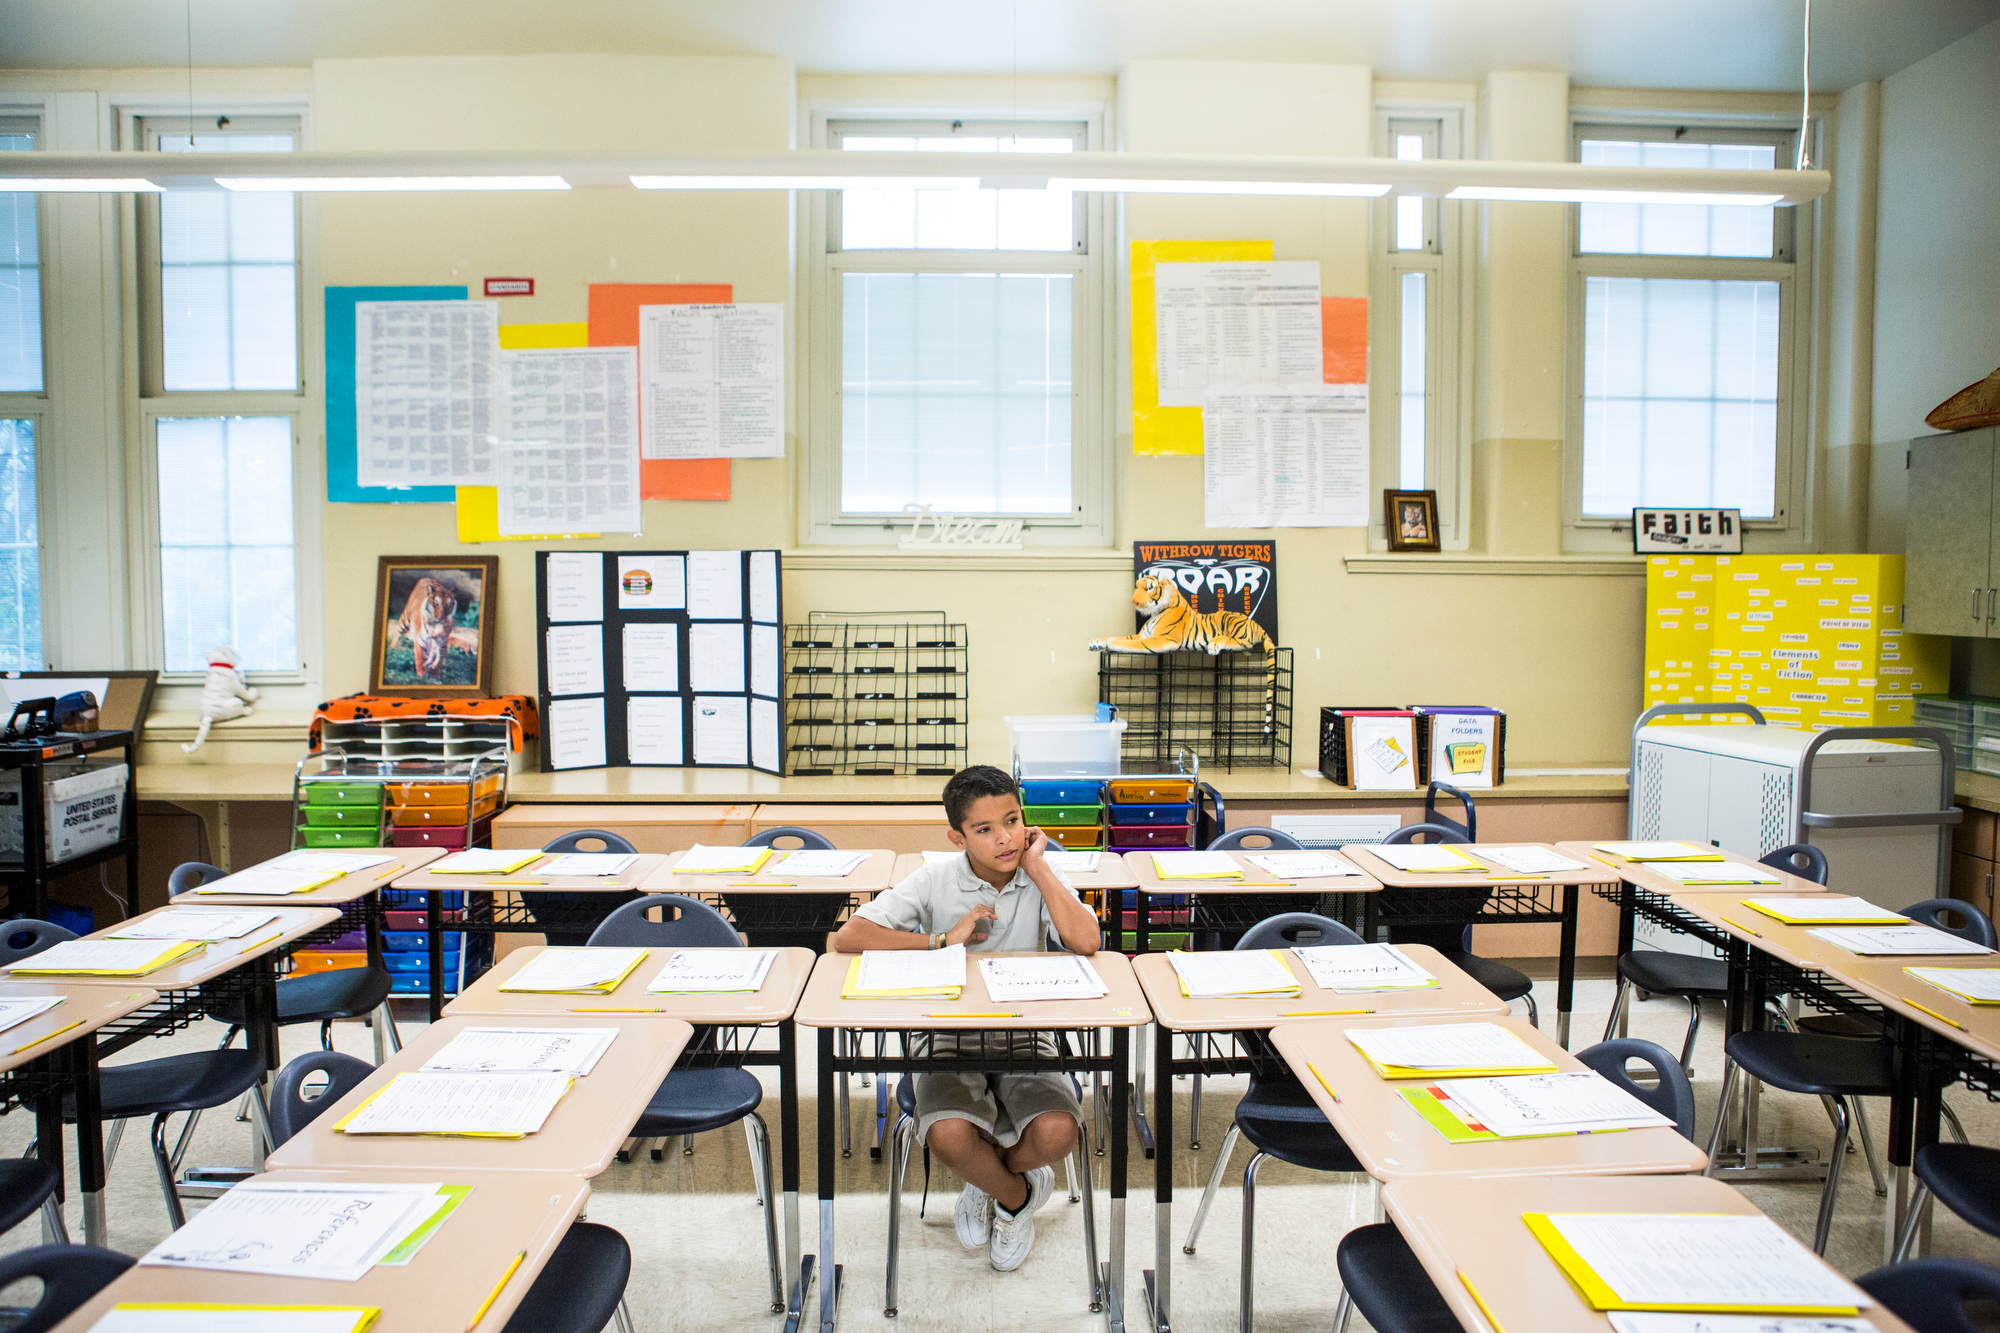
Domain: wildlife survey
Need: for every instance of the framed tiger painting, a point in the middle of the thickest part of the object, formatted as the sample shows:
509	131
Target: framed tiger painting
434	626
1412	520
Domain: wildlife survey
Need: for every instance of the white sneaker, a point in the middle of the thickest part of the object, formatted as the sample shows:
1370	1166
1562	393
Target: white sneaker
973	1217
1014	1233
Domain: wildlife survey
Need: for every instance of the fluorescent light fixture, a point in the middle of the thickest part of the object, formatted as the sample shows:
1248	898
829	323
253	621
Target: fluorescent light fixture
806	182
1527	194
1322	189
51	185
329	184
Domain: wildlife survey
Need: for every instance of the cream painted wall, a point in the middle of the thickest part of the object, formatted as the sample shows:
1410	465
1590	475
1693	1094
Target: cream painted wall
1937	325
1356	638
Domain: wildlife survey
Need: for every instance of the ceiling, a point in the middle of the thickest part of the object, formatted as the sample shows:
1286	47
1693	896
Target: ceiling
1710	44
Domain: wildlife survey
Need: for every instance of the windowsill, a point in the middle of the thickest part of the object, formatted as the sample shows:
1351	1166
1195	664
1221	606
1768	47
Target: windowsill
1045	559
1448	562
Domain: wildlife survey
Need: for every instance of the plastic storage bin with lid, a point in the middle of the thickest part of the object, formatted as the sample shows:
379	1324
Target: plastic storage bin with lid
1061	746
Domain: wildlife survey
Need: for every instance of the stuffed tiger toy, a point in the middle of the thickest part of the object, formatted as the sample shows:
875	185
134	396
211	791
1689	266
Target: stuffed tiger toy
1177	627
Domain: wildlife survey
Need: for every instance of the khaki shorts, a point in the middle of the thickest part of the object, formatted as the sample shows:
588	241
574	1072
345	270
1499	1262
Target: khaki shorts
1001	1105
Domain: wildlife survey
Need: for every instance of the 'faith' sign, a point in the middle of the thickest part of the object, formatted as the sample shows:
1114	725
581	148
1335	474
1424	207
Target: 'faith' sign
1687	531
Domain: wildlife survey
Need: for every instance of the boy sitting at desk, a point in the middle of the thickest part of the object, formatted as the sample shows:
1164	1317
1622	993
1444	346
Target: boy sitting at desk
1002	1133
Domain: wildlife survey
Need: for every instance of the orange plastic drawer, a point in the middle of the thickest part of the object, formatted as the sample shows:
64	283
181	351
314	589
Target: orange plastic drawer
1082	836
327	960
419	816
440	793
1146	791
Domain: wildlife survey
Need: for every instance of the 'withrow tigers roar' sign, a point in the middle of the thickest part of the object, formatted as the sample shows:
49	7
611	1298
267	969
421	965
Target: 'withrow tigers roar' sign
1216	576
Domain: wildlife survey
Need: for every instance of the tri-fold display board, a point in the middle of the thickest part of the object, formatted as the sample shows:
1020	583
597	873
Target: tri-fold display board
659	658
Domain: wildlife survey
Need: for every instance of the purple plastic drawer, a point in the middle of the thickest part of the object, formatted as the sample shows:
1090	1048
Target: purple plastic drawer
1151	835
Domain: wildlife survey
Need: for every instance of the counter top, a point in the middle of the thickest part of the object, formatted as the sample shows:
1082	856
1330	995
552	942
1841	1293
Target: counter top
728	786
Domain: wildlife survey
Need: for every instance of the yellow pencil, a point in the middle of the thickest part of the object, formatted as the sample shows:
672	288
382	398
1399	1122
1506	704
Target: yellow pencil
493	883
494	1295
1481	1300
618	1011
1320	1013
1613	864
1740	926
1935	1014
44	1037
761	883
977	1014
392	870
258	944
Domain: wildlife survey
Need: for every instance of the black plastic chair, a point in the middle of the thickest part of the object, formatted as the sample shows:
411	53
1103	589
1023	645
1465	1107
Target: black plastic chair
1453	940
1469	830
579	1290
693	1101
1277	1115
787	920
318	997
563	905
1935	913
1273	841
1930	1295
70	1276
24	937
1383	1278
1965	1178
28	1185
1687	977
1254	838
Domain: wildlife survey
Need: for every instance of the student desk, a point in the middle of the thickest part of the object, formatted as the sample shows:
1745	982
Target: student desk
773	1004
1772	958
1225	1037
486	914
1515	899
1121	1010
356	894
579	1138
1395	1143
1237	904
507	1212
55	1054
1469	1236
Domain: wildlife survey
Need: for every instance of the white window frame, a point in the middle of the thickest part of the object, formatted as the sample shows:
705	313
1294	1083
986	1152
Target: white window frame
298	687
36	406
1446	262
1792	266
1093	332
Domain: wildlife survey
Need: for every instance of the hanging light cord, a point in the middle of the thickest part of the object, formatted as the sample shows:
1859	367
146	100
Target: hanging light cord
1803	159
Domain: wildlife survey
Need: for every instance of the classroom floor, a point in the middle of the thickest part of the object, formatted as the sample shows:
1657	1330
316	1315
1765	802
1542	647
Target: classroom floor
697	1233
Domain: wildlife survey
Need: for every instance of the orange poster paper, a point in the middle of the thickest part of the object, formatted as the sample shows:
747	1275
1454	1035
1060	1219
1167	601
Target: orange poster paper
1343	339
614	322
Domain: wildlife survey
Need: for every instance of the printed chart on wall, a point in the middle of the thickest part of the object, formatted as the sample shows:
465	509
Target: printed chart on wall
659	658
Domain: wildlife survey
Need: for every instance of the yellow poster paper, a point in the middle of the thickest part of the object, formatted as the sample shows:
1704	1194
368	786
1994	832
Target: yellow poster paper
1156	429
479	506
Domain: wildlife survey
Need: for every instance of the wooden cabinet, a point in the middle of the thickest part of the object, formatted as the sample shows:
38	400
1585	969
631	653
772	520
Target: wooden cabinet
1974	844
1952	562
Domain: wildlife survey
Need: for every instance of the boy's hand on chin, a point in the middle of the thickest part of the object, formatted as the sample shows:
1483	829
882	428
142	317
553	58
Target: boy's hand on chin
1031	854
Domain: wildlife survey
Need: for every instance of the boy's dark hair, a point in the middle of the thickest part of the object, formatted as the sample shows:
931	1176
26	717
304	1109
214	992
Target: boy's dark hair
972	784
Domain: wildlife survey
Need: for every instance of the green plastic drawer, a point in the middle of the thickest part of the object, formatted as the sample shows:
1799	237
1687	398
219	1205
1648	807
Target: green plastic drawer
343	816
340	837
1063	814
343	793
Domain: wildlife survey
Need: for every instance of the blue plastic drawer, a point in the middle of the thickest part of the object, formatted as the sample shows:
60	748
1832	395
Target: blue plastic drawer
1155	902
1150	814
418	962
412	900
414	941
1070	791
417	983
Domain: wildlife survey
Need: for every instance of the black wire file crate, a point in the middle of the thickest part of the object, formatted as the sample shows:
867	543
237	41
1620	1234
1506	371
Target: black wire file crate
880	698
1228	709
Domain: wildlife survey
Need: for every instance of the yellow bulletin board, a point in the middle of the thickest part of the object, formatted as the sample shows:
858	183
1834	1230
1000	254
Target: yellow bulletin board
1156	429
479	506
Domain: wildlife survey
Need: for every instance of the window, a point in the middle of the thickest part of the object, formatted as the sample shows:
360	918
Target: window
20	273
20	550
961	332
1683	323
1422	440
226	560
223	269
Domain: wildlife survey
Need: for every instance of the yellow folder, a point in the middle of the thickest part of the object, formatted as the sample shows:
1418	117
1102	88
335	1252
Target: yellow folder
1601	1297
851	989
171	951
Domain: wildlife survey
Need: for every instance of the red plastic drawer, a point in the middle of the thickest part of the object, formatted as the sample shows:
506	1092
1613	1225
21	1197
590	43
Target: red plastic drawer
1151	835
441	835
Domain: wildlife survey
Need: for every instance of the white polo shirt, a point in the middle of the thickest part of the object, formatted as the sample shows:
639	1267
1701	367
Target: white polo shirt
938	896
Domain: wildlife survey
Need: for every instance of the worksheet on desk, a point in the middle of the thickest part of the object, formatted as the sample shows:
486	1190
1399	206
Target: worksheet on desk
456	1103
18	1009
1448	1046
324	1230
1356	968
1054	977
1216	973
1300	865
184	923
211	1318
1531	1105
809	864
1870	940
1703	1260
331	863
1637	1321
520	1050
713	972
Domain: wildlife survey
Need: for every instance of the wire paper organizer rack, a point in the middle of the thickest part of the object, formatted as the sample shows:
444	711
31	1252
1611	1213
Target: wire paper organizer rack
875	693
1227	708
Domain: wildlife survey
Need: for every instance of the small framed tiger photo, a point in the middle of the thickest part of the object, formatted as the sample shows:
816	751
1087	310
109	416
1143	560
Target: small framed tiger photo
1412	520
434	626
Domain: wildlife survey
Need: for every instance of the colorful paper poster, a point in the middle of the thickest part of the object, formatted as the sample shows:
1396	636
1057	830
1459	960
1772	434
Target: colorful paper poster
1216	576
